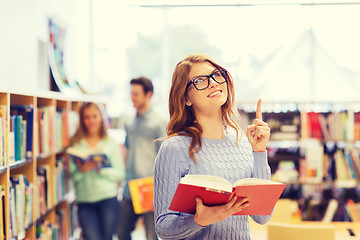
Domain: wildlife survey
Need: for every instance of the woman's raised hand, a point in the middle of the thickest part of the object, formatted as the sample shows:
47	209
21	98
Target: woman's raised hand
258	133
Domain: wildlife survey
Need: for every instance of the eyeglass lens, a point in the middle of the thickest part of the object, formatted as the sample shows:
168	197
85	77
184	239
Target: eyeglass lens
203	82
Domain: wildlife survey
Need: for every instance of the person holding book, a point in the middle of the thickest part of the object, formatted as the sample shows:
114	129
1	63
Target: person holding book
141	149
96	188
204	137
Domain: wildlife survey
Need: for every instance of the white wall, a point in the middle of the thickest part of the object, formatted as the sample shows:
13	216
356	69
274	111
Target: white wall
24	29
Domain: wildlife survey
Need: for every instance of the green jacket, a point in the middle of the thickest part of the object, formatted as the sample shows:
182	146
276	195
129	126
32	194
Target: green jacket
95	186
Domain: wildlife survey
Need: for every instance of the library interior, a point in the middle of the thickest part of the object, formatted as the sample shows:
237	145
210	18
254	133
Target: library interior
301	58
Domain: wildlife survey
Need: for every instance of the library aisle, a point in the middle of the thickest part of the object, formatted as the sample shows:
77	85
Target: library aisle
36	199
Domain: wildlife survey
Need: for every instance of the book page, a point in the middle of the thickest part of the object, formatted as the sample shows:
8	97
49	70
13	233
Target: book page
254	181
76	152
84	155
207	181
95	151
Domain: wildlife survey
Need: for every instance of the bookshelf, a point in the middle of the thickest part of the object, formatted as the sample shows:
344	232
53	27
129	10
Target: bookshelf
37	199
315	149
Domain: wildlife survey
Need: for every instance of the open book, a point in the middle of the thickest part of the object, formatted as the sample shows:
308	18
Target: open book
98	157
213	190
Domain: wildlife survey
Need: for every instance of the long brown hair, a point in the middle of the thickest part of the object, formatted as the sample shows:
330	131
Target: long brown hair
81	131
182	118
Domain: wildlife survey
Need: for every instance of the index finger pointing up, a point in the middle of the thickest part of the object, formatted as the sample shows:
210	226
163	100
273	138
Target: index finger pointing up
258	110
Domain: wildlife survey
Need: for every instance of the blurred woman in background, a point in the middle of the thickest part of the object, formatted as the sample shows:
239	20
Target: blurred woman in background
96	188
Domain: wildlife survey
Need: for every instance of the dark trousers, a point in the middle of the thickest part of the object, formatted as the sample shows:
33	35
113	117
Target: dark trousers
127	222
98	220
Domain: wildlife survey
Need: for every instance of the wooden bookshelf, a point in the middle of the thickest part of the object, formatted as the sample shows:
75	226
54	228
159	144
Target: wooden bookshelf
38	174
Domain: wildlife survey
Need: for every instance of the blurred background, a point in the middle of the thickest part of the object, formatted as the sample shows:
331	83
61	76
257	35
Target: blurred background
281	51
301	57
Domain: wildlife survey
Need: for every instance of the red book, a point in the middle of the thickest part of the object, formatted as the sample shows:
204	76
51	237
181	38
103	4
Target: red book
315	125
213	190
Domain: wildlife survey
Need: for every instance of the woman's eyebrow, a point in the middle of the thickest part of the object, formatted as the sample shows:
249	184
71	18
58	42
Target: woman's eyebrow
206	75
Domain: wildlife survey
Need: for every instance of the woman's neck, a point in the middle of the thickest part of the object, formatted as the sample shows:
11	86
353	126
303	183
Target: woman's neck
213	128
92	139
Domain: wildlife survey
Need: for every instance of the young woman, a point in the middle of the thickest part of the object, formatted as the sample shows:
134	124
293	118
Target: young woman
96	189
204	138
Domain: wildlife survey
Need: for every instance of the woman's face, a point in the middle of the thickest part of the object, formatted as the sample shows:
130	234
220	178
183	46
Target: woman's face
209	99
92	120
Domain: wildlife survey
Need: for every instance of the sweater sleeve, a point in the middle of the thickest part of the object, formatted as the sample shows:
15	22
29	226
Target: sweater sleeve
74	173
117	171
169	168
261	170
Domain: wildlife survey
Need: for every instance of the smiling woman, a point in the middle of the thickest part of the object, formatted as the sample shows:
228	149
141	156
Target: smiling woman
204	138
93	123
206	91
96	188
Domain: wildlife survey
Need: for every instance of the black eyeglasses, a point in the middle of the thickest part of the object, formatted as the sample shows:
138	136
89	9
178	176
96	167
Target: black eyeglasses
202	82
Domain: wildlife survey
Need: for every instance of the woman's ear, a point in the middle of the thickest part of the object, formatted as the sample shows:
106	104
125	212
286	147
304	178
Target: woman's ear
188	103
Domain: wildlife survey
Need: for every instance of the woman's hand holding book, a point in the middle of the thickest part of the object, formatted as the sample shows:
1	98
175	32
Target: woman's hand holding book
206	215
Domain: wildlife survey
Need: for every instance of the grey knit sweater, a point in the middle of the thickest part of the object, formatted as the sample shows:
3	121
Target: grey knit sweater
217	157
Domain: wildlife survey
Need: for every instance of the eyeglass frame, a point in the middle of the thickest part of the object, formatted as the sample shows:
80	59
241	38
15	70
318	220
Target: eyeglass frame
223	73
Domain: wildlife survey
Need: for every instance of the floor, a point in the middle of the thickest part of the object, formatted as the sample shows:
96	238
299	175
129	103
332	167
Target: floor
138	234
259	232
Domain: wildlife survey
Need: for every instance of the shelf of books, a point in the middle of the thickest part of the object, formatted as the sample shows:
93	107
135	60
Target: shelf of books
315	149
36	197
